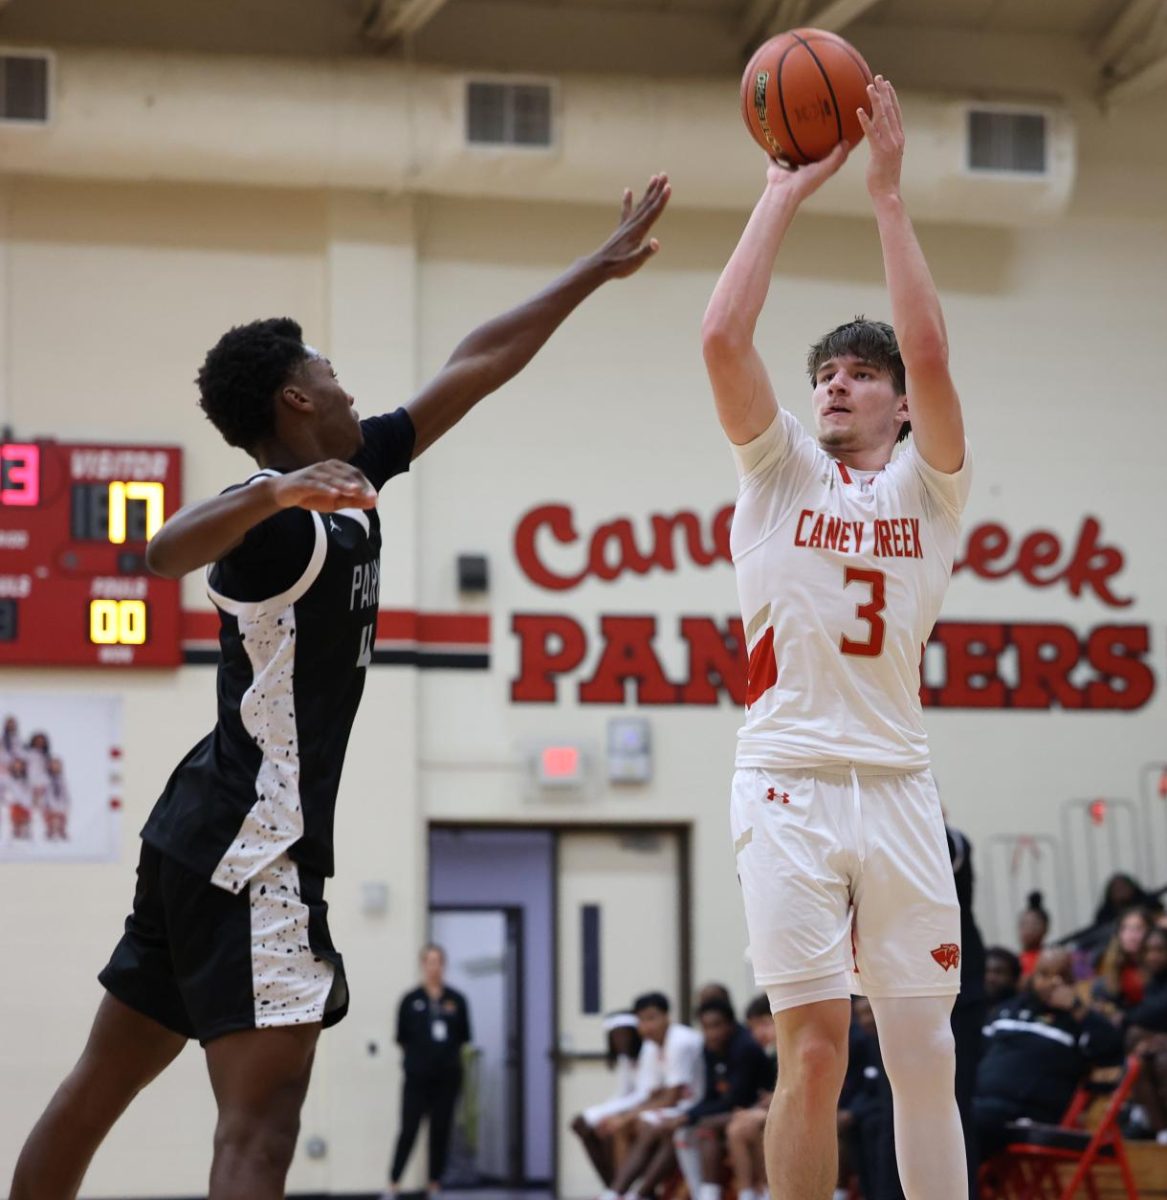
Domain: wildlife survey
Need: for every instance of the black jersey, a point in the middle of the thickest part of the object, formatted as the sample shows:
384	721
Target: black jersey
297	601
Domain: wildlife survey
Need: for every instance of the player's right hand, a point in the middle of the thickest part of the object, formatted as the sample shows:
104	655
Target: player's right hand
805	180
325	487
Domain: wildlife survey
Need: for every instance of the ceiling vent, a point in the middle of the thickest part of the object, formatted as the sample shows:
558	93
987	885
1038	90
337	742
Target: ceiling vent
1008	141
25	87
506	113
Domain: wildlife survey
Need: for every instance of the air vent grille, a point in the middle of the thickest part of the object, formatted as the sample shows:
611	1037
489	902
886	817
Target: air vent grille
24	88
1008	142
508	114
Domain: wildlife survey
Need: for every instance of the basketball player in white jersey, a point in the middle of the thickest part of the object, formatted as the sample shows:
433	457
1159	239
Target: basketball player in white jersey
843	554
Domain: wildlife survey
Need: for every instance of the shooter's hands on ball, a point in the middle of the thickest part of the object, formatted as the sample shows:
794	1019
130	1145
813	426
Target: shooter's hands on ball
324	487
885	135
803	181
626	251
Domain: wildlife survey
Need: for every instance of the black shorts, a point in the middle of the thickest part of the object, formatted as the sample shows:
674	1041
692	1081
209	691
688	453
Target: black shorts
204	962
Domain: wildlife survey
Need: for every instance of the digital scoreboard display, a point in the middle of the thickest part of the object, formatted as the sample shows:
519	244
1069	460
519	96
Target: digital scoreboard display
74	523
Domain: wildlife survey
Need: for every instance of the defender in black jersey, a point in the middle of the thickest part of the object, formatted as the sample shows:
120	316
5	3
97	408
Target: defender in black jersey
228	939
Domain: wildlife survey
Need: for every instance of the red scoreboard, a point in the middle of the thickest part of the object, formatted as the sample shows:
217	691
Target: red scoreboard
74	522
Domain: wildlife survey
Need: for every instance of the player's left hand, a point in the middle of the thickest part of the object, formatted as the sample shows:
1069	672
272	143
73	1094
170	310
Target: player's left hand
885	137
626	251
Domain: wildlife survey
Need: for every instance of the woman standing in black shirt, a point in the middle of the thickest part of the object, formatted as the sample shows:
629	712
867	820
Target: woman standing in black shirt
433	1024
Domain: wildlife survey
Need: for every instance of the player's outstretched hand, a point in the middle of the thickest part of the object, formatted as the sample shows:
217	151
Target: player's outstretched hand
626	251
885	135
325	487
805	180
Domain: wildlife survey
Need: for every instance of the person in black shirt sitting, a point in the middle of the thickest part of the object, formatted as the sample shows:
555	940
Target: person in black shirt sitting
737	1071
433	1024
1038	1047
1002	976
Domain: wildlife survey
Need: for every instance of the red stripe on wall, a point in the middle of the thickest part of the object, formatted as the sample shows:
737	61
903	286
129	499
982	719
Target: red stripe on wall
408	625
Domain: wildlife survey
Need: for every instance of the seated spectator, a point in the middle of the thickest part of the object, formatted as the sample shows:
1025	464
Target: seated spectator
1146	1034
1002	976
681	1082
1120	893
1032	927
1038	1047
711	991
744	1132
635	1082
737	1071
1120	973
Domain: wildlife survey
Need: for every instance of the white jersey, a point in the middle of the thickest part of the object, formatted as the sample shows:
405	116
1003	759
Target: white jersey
840	576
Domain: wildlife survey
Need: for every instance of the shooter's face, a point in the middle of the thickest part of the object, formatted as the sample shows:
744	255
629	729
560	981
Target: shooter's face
855	405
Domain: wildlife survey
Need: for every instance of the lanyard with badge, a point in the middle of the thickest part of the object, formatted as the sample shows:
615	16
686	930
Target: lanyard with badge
439	1031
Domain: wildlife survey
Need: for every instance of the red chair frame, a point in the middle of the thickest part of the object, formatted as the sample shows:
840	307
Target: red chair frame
1029	1169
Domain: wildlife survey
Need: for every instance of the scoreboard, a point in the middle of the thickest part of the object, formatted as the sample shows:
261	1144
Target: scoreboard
74	522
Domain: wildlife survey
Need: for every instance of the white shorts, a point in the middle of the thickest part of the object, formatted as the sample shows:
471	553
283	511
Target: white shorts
847	872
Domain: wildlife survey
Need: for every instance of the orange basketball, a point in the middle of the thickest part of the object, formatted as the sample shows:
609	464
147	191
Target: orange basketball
800	92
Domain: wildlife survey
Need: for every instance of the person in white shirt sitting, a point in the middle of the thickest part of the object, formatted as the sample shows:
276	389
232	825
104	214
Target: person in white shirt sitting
636	1064
682	1081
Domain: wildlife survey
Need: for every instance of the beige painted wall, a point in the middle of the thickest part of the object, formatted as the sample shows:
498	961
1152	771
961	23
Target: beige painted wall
111	295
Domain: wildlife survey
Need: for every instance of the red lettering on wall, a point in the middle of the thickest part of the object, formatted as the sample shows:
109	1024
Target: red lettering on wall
612	547
1046	655
1091	565
557	519
1036	666
715	660
990	551
550	645
627	657
970	654
1113	651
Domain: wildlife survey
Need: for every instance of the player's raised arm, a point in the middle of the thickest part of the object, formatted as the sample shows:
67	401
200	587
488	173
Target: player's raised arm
500	349
933	404
741	388
203	532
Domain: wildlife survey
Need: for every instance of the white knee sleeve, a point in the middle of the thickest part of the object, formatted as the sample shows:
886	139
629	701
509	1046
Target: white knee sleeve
915	1041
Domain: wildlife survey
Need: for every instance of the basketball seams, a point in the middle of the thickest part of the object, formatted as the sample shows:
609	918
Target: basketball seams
849	50
818	62
782	99
821	79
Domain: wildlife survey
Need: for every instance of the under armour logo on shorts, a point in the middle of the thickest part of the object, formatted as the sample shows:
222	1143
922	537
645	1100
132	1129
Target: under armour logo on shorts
947	955
774	794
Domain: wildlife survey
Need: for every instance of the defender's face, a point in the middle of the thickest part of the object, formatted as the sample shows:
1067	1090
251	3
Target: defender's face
338	422
855	405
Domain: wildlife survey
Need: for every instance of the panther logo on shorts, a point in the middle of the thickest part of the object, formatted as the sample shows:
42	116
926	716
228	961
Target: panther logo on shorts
947	955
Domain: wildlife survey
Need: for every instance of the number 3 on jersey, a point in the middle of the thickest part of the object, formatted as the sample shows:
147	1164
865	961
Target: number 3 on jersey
868	612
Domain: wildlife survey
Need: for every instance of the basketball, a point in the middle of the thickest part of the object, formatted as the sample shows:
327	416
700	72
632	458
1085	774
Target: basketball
800	92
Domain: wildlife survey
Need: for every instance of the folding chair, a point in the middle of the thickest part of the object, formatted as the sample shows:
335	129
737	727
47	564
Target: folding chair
1030	1167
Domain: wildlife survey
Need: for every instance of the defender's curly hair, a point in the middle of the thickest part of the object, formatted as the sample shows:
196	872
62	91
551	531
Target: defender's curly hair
241	375
874	342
